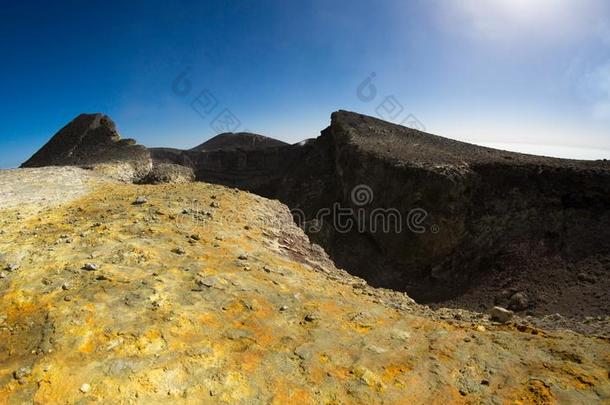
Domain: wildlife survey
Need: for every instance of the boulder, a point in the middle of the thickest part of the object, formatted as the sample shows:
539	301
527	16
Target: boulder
500	314
169	173
519	301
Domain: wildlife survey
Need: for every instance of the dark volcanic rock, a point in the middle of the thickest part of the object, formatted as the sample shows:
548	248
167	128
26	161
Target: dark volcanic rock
299	175
240	140
476	202
244	160
90	140
461	207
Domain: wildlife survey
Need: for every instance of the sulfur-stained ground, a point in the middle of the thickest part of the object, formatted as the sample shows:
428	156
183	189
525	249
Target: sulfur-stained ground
204	294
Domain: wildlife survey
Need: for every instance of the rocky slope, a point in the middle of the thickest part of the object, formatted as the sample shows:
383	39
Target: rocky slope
478	226
196	293
91	140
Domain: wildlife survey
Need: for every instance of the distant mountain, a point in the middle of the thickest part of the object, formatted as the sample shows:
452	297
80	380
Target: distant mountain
239	140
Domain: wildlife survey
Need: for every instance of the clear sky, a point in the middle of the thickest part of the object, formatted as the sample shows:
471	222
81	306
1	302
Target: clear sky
531	75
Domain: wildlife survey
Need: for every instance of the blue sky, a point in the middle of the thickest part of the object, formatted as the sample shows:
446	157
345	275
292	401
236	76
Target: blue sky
529	75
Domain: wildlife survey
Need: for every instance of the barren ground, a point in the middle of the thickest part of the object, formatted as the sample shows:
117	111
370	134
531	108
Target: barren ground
223	300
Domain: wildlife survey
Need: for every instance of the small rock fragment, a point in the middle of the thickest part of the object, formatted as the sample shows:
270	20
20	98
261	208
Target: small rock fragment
178	251
311	317
500	314
243	257
209	281
3	275
376	349
214	204
283	308
22	373
85	388
140	200
12	267
91	267
66	286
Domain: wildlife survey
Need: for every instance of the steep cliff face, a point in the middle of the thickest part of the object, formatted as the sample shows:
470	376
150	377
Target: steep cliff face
478	202
470	217
91	140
